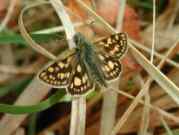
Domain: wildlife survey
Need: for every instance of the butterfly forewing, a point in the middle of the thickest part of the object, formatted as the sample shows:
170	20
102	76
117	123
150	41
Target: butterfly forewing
115	45
58	73
80	82
111	66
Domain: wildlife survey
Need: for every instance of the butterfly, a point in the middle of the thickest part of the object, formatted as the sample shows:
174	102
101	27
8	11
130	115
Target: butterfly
89	65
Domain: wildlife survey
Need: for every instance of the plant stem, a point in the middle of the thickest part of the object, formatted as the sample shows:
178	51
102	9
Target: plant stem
78	115
82	115
74	117
167	128
108	115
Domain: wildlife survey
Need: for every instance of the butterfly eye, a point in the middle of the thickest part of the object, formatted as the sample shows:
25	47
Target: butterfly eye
78	38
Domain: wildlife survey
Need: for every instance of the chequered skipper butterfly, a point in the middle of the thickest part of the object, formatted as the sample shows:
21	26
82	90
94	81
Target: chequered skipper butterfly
90	64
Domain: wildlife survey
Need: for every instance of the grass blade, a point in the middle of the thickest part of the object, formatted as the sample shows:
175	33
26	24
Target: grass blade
22	109
157	75
167	128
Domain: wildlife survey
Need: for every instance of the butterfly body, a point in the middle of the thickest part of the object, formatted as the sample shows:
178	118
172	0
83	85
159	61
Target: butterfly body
89	56
89	65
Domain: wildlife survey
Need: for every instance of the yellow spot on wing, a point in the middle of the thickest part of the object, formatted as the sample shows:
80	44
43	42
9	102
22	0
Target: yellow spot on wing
61	65
58	75
62	75
52	77
79	68
101	57
68	74
50	69
116	48
107	68
84	79
101	43
77	81
109	41
111	64
116	37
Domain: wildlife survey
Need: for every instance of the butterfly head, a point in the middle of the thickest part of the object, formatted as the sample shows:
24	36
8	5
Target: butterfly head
79	40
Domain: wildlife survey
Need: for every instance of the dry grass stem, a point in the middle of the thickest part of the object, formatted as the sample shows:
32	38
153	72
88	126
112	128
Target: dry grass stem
20	131
146	110
7	58
160	111
168	130
108	114
8	69
153	31
27	37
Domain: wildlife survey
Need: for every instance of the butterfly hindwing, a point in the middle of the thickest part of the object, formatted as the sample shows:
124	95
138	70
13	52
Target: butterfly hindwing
115	45
110	66
80	82
57	74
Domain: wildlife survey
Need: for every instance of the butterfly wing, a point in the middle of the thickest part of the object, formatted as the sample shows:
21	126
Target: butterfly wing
115	45
80	81
57	74
110	66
